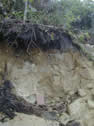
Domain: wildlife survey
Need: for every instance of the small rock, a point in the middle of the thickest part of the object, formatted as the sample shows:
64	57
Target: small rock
71	92
82	92
33	65
50	115
90	104
73	123
90	86
77	109
65	118
31	98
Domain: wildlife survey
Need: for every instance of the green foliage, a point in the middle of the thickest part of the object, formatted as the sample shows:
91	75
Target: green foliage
87	36
65	13
58	13
81	38
7	4
31	1
18	15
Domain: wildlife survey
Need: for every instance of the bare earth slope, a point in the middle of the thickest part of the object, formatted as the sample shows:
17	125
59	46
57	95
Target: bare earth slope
65	79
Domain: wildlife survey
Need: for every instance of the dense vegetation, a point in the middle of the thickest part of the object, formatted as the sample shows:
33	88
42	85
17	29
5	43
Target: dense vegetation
75	15
68	13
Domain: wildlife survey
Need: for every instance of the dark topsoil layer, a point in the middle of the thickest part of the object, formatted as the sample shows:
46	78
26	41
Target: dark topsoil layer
27	36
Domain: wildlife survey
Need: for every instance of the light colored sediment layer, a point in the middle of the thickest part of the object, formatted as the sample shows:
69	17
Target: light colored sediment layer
53	75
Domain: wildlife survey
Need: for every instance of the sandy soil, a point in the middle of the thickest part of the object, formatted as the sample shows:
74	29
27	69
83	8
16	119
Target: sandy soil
57	78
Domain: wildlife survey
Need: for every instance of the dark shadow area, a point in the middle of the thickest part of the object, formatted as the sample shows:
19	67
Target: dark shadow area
27	36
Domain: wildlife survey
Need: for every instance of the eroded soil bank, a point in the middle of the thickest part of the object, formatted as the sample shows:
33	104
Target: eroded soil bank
58	78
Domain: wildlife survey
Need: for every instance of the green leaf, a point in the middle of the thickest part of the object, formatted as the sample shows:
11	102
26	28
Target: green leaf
31	1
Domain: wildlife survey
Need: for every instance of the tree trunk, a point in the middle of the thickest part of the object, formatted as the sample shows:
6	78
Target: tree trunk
25	11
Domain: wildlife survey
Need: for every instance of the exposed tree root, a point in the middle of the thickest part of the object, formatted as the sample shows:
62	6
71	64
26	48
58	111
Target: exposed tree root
28	36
